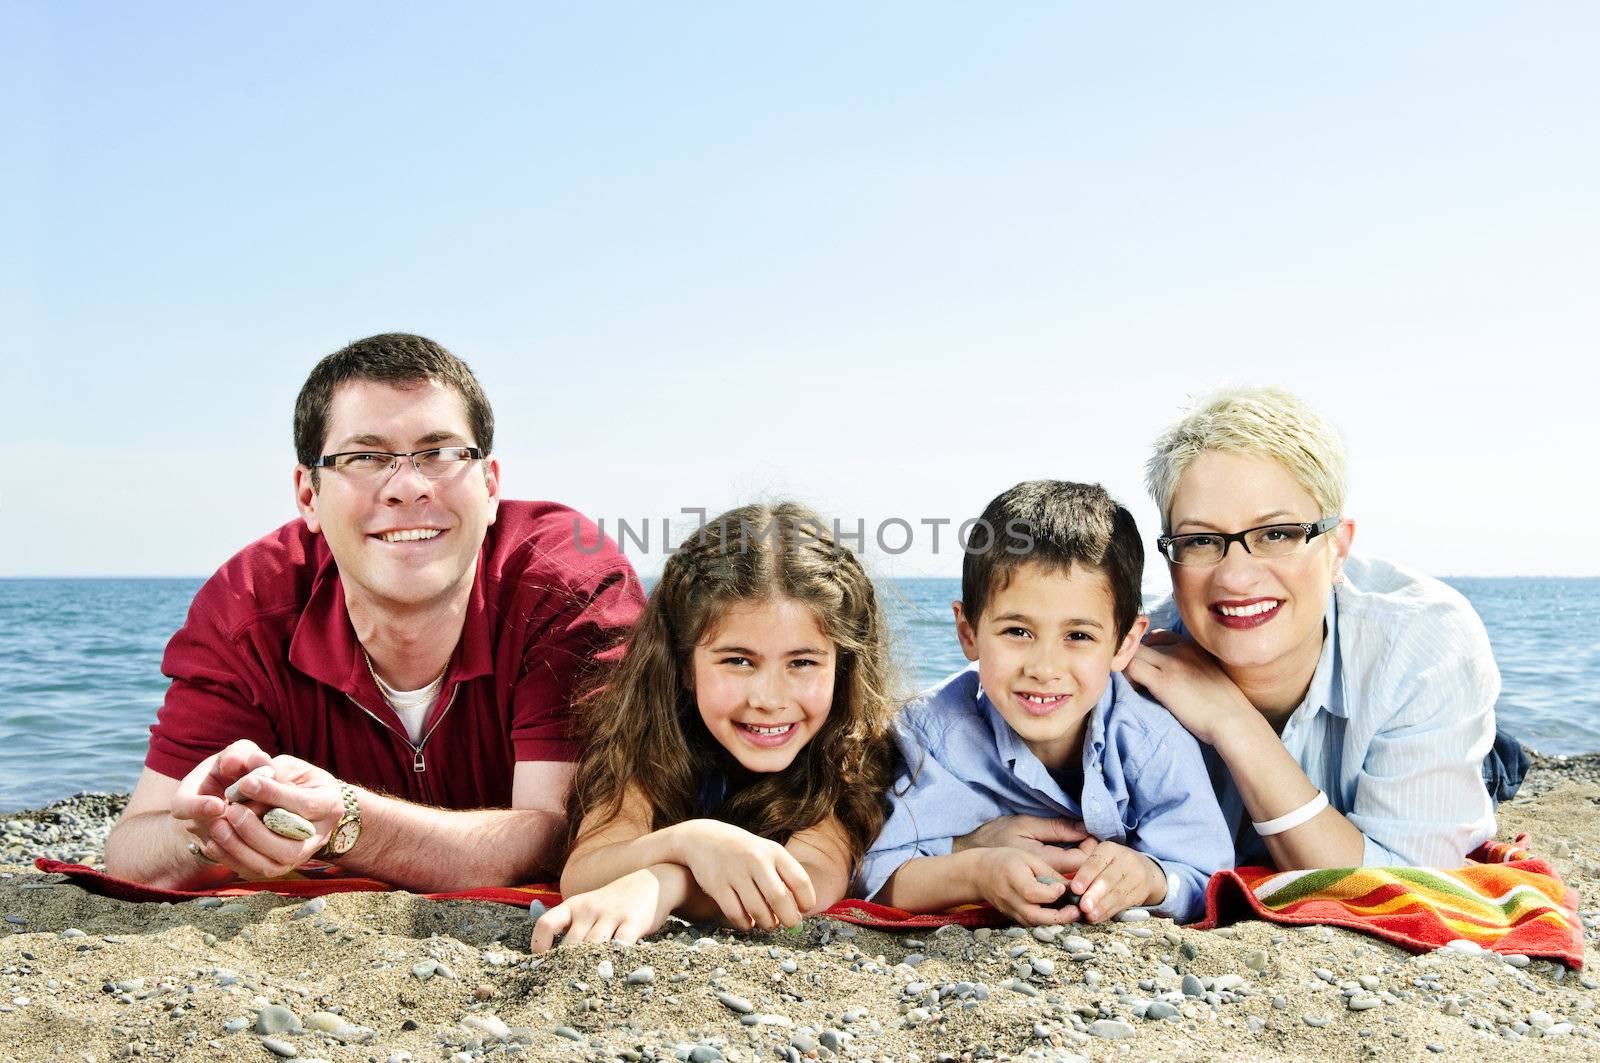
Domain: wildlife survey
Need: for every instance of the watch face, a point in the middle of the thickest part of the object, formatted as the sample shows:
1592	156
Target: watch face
344	838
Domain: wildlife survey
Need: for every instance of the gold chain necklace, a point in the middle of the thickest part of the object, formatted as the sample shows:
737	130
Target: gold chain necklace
381	685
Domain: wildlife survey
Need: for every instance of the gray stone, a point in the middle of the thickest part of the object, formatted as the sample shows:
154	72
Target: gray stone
425	970
1161	1009
704	1054
605	971
536	909
1192	986
1256	960
641	976
278	1046
1362	1002
735	1003
568	1032
1318	1021
275	1018
1111	1029
1132	915
284	823
312	907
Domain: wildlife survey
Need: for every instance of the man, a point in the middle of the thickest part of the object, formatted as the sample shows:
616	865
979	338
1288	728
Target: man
396	667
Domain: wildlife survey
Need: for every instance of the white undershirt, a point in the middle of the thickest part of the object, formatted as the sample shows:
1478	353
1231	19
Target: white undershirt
411	705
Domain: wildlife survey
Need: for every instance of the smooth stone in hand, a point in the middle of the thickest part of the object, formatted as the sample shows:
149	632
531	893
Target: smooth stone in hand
232	792
284	823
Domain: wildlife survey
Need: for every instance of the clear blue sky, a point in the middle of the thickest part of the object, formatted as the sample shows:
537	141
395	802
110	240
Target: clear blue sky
890	258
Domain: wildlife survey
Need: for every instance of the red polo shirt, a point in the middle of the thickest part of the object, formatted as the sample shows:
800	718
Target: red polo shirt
268	653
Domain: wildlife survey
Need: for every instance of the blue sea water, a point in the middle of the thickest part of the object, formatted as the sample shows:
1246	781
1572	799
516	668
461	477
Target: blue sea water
80	675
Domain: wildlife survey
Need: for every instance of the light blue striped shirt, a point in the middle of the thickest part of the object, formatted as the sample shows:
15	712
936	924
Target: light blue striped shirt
1396	722
1145	785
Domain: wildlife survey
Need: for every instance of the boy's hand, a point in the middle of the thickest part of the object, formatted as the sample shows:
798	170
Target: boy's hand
1114	878
755	882
1020	884
1039	835
623	911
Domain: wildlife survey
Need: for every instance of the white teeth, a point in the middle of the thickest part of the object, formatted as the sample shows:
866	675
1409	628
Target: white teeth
410	535
1037	700
1247	610
781	729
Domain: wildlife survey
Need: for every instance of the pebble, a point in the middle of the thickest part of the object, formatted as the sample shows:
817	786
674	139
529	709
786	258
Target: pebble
1161	1009
71	933
1192	986
275	1018
1470	948
1362	1002
235	1025
568	1032
490	1025
735	1003
425	970
1132	915
1043	966
605	971
278	1046
284	823
1516	959
312	907
704	1054
325	1021
1111	1029
1318	1021
536	909
641	976
1256	960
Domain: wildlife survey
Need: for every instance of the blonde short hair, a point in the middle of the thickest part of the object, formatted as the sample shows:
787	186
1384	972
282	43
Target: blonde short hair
1266	422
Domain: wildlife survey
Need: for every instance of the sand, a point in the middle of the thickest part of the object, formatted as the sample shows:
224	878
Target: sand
391	977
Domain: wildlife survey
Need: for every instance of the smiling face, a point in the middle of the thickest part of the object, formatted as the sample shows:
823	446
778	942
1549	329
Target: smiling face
401	541
763	679
1046	646
1255	615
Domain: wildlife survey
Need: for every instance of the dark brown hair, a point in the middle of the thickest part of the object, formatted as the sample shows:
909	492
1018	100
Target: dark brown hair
642	726
1056	524
391	358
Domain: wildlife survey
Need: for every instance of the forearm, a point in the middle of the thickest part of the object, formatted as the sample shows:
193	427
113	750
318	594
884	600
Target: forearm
934	883
1271	784
435	850
153	848
589	869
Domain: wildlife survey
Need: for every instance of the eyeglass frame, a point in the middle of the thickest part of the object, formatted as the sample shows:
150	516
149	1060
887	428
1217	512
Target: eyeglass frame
1312	530
326	461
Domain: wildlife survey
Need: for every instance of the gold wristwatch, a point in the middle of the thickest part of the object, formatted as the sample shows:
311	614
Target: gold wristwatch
345	834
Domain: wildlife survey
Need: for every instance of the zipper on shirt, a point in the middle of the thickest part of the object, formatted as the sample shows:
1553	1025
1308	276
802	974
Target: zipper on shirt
419	765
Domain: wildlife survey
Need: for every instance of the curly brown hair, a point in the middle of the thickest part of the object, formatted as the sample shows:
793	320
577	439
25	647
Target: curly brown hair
642	725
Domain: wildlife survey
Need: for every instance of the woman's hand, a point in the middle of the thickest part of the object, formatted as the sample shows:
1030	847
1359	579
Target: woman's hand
1049	839
623	911
755	882
1190	683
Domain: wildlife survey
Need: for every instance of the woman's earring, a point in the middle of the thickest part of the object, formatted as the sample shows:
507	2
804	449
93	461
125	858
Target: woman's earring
1338	577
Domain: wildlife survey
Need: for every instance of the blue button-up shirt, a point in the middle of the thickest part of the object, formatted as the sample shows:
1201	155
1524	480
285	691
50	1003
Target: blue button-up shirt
1396	722
1144	785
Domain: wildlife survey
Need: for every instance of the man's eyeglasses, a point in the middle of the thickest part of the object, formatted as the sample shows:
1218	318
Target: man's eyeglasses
1269	540
435	464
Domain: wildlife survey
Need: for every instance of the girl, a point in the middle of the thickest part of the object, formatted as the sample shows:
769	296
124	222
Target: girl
737	754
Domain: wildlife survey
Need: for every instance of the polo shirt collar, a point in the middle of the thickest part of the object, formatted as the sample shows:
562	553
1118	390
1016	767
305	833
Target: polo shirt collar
324	644
1027	766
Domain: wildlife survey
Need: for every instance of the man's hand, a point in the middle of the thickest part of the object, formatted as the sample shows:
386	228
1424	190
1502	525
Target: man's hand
1037	835
1114	878
199	804
756	882
1020	885
1189	683
238	839
623	911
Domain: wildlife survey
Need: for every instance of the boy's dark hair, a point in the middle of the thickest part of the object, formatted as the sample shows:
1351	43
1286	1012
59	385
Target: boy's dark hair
1056	524
390	358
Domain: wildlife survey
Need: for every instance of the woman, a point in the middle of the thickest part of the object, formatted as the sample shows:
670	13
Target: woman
1349	700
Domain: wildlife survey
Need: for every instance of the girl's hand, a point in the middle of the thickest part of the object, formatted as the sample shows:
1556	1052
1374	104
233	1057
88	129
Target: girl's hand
623	911
1115	878
1190	683
755	882
1020	884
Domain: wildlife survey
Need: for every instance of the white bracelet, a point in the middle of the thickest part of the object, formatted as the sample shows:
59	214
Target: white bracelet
1291	820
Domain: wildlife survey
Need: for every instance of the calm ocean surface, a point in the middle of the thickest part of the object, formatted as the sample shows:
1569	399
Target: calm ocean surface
80	676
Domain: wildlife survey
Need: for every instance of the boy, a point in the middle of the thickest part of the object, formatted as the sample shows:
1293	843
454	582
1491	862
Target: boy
1047	726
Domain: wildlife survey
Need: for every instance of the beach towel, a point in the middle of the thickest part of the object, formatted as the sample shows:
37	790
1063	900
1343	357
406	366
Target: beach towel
1503	900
